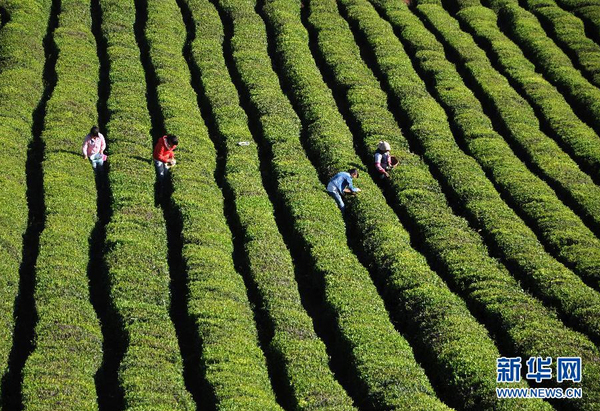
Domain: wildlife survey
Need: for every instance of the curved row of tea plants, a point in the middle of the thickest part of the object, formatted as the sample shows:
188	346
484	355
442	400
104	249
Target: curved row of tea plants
301	358
577	138
588	11
377	356
136	242
526	31
438	320
21	89
59	373
558	226
517	118
517	243
485	284
569	32
232	361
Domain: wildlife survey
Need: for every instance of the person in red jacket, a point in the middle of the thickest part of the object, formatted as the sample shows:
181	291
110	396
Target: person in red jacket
164	157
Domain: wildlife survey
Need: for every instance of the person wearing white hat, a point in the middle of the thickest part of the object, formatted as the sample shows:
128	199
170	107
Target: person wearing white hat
383	160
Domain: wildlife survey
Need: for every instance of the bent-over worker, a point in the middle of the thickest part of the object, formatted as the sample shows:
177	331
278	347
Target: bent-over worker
341	183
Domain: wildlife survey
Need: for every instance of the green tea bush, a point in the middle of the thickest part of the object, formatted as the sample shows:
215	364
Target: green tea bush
302	362
419	297
569	33
21	88
549	217
377	355
519	121
588	11
577	138
233	363
59	373
485	284
151	372
526	31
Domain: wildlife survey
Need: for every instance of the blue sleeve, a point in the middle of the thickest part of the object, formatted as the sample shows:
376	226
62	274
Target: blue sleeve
350	186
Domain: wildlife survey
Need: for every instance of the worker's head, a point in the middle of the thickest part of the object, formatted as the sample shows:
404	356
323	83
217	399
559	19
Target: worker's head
383	146
353	172
94	131
172	140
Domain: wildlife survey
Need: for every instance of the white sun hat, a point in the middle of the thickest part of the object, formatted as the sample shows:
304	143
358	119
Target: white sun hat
383	146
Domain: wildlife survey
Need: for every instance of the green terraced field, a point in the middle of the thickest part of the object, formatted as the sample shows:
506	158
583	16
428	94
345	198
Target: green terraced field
239	285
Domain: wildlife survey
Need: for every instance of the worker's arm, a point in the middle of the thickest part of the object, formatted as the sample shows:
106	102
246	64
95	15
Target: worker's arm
381	170
84	147
350	187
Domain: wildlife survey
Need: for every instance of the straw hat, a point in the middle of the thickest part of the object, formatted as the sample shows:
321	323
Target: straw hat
383	146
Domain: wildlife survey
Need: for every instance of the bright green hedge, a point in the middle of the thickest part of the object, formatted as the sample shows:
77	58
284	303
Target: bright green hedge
301	360
59	373
517	118
554	222
439	322
569	33
233	363
526	31
523	325
588	11
136	242
375	354
21	88
578	139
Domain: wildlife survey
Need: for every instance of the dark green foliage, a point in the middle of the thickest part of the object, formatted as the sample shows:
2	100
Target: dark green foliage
303	361
519	120
557	225
569	33
590	15
523	324
233	363
417	294
526	31
379	357
151	370
59	373
20	91
580	141
588	11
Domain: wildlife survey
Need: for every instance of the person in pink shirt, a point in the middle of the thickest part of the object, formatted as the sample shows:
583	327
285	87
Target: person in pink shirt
93	149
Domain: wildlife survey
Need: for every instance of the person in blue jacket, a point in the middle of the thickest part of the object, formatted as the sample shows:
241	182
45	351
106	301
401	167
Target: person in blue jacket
341	183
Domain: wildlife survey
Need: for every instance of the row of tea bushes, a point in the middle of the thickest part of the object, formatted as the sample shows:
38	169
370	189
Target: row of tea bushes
482	281
555	223
419	297
232	362
588	11
150	372
517	118
21	88
526	31
377	356
59	373
569	33
301	359
575	137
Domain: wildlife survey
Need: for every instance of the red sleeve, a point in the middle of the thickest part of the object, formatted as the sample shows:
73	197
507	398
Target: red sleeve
160	151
